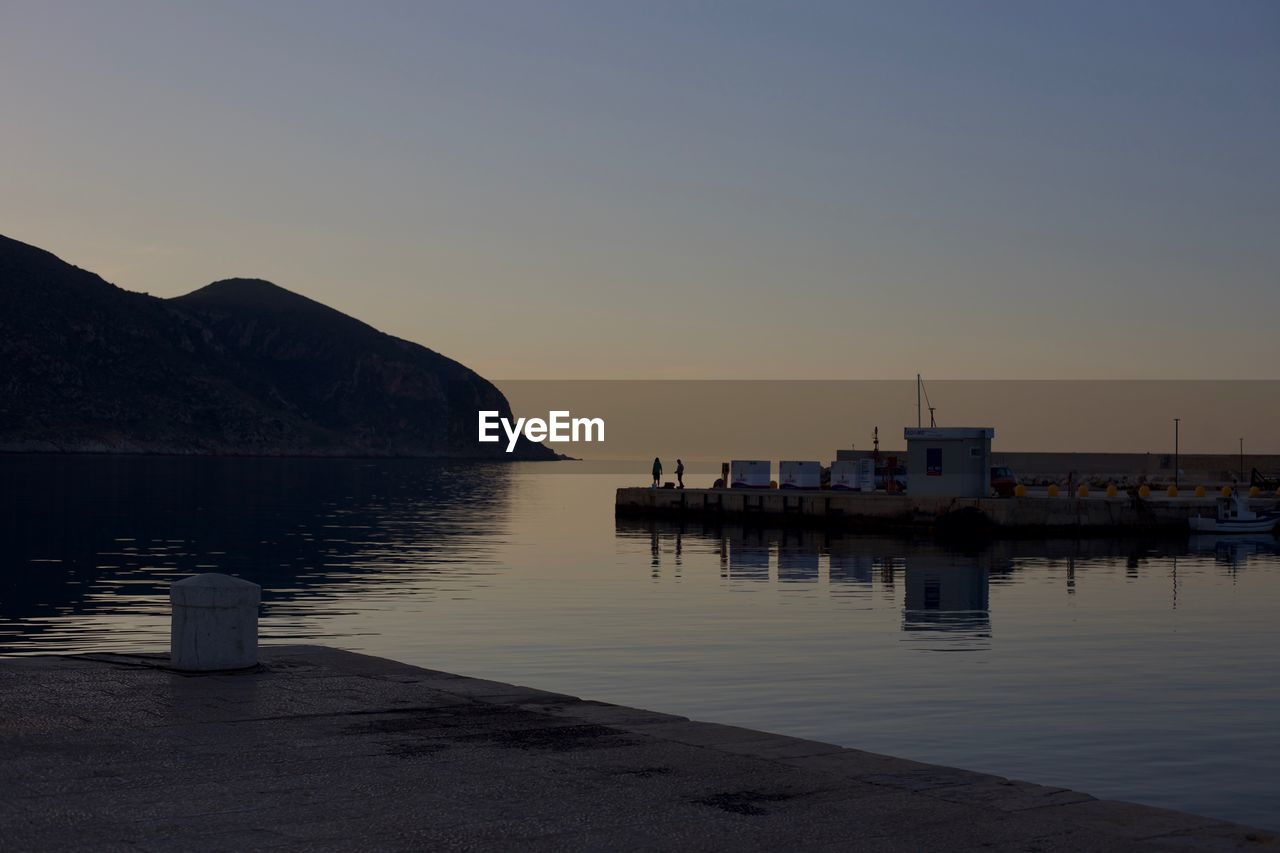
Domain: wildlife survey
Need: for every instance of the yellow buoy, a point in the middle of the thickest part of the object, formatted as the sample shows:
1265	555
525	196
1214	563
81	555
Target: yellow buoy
1254	491
1200	491
1226	491
1019	491
1083	491
1172	491
1112	491
1144	491
1053	490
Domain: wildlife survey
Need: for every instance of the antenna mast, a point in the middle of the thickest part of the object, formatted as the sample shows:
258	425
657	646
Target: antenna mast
928	404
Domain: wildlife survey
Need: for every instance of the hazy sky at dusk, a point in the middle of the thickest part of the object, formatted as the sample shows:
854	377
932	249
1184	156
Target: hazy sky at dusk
680	190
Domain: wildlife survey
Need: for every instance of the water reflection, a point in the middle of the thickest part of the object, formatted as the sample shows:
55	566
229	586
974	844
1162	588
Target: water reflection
1234	551
945	588
948	596
749	550
946	592
87	535
798	556
521	573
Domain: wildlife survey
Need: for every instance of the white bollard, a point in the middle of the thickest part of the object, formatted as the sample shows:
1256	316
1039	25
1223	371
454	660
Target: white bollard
214	623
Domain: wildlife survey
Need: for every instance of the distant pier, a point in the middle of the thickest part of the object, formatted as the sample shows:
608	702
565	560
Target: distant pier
879	512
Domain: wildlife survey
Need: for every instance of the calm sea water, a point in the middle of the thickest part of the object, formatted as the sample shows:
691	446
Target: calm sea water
1144	670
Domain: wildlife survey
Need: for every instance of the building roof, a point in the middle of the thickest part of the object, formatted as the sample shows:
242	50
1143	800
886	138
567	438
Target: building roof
947	433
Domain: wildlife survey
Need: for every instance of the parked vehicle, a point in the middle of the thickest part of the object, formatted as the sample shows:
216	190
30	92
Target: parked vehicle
1003	481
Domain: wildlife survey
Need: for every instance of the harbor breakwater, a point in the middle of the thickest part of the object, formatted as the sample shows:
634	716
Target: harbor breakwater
882	512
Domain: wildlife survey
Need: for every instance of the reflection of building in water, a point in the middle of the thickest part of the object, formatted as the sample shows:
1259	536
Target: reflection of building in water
947	594
886	565
748	553
850	563
798	556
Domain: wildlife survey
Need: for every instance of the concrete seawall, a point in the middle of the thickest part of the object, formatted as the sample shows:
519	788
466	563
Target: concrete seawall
855	510
1207	468
319	749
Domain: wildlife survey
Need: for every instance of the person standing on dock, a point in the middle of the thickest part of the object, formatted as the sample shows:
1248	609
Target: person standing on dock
657	471
680	472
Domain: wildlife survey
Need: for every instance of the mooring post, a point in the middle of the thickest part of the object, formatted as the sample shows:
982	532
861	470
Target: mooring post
214	623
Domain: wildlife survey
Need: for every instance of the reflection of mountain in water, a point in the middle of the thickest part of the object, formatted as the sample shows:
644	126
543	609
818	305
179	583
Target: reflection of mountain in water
86	534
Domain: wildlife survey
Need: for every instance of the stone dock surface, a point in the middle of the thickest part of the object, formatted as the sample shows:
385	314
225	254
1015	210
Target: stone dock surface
321	749
1038	514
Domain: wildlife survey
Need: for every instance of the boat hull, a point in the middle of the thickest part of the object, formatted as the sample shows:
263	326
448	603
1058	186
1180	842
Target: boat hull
1213	525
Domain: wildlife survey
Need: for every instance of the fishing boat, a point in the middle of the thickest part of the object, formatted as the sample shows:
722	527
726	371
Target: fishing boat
1235	516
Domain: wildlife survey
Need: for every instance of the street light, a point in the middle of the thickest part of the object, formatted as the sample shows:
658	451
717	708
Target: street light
1242	461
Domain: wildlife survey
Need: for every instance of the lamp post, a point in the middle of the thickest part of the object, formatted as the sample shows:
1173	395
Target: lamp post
1242	460
1175	451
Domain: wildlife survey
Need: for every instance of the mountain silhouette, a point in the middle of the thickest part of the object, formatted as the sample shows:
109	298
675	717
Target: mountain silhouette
241	366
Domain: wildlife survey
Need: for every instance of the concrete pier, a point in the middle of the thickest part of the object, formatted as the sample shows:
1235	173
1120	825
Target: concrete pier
1096	513
319	749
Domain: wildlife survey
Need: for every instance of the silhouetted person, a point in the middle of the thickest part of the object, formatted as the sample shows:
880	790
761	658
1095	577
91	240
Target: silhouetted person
657	471
680	472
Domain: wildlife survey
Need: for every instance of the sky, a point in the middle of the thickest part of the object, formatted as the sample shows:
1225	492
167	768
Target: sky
680	190
715	420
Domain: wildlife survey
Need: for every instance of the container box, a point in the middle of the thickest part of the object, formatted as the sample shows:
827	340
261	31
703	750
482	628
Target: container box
949	462
749	473
854	475
799	475
844	475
